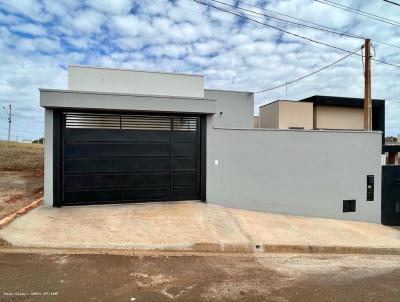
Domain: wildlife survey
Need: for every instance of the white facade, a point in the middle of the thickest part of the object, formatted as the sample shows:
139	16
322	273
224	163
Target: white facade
284	171
128	81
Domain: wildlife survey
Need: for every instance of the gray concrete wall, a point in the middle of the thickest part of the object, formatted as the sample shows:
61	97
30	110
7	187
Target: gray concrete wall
134	81
237	108
306	173
48	157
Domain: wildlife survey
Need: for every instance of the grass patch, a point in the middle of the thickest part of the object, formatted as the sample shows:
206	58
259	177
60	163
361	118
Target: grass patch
20	156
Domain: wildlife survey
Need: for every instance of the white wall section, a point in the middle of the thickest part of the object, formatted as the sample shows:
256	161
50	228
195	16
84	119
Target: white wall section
233	108
48	157
50	98
135	82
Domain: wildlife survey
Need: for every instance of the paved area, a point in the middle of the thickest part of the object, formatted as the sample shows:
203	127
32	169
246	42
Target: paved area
267	277
191	226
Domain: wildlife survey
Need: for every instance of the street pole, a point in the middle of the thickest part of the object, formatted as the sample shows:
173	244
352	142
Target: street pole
367	87
9	120
9	124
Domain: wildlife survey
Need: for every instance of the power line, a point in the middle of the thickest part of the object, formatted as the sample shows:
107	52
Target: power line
391	2
24	117
328	29
386	63
230	22
271	26
288	32
308	75
290	22
359	12
22	131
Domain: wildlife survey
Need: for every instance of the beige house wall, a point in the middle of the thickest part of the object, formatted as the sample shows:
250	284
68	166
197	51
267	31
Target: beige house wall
295	115
269	116
286	114
336	117
256	121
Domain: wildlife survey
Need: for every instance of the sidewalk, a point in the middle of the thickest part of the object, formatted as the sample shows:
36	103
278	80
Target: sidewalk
193	227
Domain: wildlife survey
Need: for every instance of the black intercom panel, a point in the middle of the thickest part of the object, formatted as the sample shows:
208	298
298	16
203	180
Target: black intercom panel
370	187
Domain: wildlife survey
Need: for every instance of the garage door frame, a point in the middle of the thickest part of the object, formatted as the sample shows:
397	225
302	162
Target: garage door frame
58	141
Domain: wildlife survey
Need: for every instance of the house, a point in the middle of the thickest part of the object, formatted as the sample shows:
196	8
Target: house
118	135
322	112
286	115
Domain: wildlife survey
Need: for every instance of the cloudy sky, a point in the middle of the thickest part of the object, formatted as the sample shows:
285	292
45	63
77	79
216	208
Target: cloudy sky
40	38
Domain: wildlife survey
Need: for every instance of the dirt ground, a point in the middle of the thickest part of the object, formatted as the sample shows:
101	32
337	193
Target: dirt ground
18	189
20	156
271	277
21	175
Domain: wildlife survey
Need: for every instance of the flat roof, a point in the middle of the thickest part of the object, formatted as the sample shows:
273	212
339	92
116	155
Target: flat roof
340	101
391	148
292	101
122	94
136	70
227	90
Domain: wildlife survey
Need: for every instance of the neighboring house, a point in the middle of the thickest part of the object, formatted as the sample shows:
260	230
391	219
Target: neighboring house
391	153
343	113
322	112
286	115
134	136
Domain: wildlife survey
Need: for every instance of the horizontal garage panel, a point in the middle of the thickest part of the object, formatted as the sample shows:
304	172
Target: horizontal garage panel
184	136
116	196
183	192
115	135
185	179
184	149
185	164
78	149
100	181
120	165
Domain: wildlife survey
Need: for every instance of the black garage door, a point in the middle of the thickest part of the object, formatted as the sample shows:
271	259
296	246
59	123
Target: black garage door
114	158
391	195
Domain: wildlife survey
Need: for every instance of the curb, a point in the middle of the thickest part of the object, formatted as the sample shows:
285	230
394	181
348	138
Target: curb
321	249
8	219
206	249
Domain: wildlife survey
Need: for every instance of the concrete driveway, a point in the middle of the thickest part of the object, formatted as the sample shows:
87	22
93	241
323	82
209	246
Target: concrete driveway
193	227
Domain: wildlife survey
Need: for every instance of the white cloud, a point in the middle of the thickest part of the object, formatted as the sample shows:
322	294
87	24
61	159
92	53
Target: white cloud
128	25
183	36
55	7
111	6
32	9
88	21
30	28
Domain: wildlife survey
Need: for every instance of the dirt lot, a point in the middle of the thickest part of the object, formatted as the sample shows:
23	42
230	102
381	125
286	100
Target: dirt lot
20	156
21	175
279	278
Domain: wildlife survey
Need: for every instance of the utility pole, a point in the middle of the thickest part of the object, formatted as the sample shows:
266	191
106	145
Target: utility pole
367	87
9	120
286	91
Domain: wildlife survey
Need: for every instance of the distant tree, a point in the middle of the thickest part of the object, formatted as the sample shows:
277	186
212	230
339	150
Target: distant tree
38	141
390	140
